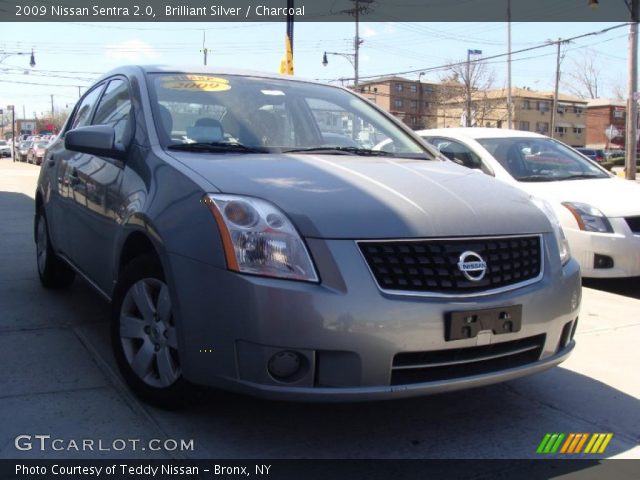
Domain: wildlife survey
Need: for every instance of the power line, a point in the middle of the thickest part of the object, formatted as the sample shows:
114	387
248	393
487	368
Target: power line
454	64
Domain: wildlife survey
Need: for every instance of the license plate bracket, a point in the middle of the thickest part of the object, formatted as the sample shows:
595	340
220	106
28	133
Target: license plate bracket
466	324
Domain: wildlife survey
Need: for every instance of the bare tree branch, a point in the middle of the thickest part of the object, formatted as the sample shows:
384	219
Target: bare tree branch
584	77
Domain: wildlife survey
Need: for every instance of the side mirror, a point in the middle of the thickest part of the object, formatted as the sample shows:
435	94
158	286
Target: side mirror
95	140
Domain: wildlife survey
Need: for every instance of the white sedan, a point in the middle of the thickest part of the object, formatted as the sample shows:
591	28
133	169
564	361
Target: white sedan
600	214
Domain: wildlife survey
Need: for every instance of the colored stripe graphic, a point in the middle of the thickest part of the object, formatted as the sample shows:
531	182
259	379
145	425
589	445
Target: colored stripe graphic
597	443
550	443
570	439
543	443
584	439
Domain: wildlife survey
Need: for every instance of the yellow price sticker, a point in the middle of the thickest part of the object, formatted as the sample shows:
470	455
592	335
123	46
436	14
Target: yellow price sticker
204	83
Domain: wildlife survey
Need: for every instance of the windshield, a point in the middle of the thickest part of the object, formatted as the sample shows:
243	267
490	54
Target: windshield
42	144
207	113
540	159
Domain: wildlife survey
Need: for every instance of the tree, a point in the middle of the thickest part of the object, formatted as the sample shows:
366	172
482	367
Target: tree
477	80
584	77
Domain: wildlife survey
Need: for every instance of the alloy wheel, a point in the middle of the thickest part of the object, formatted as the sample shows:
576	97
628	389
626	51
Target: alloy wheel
148	333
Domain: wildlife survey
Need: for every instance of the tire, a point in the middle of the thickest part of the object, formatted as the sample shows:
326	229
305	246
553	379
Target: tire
53	272
144	335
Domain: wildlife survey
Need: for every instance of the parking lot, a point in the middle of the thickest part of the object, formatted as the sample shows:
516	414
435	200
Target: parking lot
59	378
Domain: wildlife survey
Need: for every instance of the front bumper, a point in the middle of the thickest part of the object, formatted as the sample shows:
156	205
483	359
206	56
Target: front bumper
346	330
622	246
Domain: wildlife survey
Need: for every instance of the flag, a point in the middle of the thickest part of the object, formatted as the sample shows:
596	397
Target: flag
286	64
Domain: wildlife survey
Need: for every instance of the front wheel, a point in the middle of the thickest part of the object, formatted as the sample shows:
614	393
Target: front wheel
144	334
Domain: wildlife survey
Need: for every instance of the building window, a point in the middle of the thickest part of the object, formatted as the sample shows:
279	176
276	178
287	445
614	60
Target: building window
577	131
561	109
526	105
542	127
414	88
426	105
561	130
618	114
543	106
578	110
414	120
414	104
398	87
523	126
427	89
397	103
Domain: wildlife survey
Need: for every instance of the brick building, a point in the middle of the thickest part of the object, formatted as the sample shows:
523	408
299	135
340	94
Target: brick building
412	101
602	112
531	112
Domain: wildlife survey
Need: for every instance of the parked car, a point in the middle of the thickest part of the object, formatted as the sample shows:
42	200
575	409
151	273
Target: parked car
613	153
37	151
600	214
23	151
5	149
241	250
593	154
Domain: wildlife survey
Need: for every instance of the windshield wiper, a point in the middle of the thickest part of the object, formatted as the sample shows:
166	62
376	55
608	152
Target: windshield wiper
538	178
215	147
339	150
582	176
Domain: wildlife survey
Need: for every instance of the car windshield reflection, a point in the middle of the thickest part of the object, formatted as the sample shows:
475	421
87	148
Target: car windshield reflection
540	160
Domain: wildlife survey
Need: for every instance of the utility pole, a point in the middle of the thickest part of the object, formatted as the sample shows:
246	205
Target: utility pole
52	108
632	100
509	99
361	6
554	107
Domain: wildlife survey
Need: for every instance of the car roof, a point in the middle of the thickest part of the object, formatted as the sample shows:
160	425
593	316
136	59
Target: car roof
203	70
479	132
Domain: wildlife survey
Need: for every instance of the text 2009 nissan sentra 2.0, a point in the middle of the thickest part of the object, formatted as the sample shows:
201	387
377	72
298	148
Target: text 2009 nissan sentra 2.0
249	238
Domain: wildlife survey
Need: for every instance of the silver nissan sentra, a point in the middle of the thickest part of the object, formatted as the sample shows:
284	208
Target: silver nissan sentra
249	237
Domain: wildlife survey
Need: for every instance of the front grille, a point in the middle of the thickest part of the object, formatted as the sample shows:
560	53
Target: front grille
432	265
634	224
419	367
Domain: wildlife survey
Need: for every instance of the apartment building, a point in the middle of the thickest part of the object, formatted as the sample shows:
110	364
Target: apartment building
531	112
412	101
601	113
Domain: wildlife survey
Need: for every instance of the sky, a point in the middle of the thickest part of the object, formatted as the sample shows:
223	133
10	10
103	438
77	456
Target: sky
71	55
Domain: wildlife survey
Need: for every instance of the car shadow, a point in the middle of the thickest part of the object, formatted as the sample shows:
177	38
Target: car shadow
629	287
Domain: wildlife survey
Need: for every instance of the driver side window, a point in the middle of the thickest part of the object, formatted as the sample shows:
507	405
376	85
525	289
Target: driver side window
115	109
82	116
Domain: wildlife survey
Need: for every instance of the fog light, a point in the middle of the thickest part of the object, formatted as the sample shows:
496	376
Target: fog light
285	365
602	261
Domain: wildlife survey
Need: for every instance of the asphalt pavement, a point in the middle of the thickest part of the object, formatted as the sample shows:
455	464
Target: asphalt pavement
58	378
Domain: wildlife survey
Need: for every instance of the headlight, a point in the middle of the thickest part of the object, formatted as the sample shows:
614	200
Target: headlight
259	239
589	218
561	240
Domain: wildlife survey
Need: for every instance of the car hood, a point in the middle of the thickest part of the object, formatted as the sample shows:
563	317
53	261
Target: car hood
344	196
615	197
